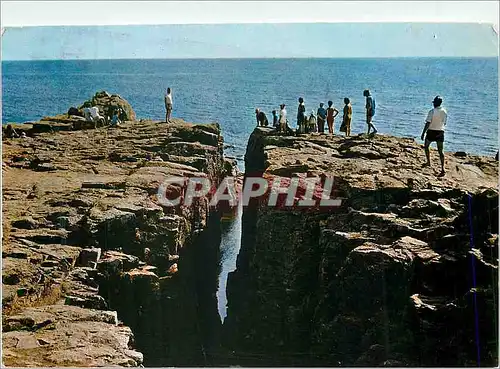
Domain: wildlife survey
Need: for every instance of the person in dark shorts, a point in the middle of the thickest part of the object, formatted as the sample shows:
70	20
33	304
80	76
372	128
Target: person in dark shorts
261	118
370	111
168	105
321	113
434	131
275	119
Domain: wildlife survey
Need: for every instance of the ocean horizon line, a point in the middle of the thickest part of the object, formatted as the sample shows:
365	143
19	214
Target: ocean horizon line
261	58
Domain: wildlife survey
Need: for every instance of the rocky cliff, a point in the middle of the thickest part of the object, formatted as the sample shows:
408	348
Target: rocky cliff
404	272
96	272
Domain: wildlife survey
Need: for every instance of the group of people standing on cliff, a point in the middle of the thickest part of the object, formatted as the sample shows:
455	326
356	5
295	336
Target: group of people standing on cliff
316	122
433	130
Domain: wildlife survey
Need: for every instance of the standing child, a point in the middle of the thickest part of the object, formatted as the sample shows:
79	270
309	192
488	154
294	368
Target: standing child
331	113
275	119
282	120
115	120
311	127
370	111
346	119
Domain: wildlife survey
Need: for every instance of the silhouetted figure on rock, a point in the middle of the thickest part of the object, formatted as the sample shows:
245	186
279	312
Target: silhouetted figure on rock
301	116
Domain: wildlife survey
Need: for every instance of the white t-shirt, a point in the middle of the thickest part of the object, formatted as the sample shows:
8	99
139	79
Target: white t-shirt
93	111
437	118
168	99
283	116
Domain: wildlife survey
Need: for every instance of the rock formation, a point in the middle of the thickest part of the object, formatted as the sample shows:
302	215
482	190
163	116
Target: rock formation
96	272
404	272
74	120
107	102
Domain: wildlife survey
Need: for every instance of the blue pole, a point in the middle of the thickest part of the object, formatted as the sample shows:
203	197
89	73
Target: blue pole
476	318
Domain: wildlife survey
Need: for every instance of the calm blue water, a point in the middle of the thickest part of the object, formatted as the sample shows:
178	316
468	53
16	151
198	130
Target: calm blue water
228	91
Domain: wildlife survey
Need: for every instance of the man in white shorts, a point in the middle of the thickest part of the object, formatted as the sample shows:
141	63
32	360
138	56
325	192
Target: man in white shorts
434	127
168	104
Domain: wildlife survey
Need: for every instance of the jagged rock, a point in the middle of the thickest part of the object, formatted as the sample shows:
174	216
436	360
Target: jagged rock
114	262
200	134
88	301
139	275
336	285
74	336
93	202
89	257
26	223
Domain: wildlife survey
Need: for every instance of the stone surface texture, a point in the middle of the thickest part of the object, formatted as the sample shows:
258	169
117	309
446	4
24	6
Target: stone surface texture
89	253
404	272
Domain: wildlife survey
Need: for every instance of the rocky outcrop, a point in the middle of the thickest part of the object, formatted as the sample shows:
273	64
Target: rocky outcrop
107	103
404	272
85	237
61	335
74	119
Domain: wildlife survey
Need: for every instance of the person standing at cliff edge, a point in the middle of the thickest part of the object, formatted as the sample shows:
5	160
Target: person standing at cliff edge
434	127
321	113
346	118
275	118
301	116
331	113
370	110
282	119
168	104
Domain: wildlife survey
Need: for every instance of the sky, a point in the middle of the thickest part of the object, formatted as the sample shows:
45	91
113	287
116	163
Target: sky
286	29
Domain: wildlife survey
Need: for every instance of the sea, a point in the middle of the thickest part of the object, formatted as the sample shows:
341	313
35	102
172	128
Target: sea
227	91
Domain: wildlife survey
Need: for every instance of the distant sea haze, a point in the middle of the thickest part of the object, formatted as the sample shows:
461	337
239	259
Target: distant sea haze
229	90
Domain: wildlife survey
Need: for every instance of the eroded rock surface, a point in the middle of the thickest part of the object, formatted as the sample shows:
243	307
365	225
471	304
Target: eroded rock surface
85	235
404	272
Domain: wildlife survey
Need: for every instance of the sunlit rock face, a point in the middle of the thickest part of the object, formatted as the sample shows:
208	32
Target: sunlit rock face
404	272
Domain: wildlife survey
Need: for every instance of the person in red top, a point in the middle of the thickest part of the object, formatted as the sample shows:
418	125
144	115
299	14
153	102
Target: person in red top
331	113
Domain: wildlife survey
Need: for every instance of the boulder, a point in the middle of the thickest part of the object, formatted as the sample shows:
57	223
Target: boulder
107	103
115	262
61	335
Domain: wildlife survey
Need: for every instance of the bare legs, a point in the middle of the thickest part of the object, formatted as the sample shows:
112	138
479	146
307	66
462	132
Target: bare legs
169	113
440	146
370	124
330	126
